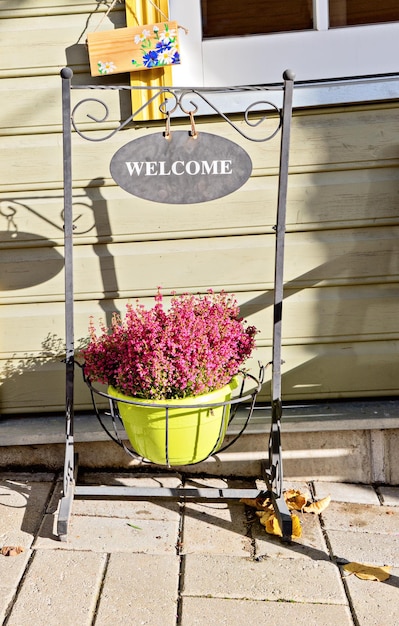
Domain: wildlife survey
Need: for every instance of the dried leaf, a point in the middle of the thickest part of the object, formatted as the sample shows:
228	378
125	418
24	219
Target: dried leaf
368	572
272	526
264	516
258	503
296	527
295	500
317	507
11	550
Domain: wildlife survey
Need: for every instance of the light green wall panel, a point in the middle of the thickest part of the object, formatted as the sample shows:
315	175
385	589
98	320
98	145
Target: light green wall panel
319	371
340	322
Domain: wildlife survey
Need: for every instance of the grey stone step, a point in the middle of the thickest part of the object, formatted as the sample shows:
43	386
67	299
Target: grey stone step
306	417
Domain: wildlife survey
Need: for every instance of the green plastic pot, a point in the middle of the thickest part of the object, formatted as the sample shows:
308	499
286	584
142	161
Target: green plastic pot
194	432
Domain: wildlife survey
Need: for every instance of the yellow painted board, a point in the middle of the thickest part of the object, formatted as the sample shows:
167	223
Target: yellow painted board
141	12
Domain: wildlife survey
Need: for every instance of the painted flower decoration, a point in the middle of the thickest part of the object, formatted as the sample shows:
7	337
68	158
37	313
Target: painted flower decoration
168	36
106	67
158	48
196	346
145	34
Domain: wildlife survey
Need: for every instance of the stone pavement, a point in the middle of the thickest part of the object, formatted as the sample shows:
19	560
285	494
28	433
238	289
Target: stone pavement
164	564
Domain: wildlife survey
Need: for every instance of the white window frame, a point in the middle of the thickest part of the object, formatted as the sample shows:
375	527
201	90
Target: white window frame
336	58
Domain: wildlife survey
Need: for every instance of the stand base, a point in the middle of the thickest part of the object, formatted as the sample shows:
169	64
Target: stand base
66	502
182	494
280	507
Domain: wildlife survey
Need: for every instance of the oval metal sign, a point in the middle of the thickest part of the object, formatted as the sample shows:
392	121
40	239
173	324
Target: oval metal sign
180	169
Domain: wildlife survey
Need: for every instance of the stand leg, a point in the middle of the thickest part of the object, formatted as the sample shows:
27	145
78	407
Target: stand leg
273	475
69	465
66	502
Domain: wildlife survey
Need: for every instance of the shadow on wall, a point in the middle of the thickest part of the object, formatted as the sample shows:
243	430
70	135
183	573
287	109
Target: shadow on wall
31	258
24	268
102	227
35	380
18	271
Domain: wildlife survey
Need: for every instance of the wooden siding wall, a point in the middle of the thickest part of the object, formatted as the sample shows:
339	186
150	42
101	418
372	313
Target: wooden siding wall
340	321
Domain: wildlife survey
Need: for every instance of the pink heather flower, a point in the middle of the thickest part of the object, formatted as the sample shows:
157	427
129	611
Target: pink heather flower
197	346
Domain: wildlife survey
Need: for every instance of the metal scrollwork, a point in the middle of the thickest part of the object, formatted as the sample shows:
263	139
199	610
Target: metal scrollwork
173	102
246	115
104	118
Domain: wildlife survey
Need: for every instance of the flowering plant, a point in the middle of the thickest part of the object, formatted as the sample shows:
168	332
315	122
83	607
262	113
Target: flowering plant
195	347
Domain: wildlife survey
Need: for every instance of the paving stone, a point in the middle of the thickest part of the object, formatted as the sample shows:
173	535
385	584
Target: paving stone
6	597
291	580
216	527
310	545
221	612
342	492
22	504
11	572
223	583
375	603
12	568
140	589
105	534
361	518
390	495
59	588
364	547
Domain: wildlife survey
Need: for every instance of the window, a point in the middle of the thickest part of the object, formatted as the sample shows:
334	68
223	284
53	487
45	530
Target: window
319	40
227	18
354	12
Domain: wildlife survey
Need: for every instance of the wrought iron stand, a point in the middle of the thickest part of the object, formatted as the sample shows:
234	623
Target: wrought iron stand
272	468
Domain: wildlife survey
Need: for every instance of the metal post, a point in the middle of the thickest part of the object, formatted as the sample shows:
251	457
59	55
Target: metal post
280	235
69	465
274	474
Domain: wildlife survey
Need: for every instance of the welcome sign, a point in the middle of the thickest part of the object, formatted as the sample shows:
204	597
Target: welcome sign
180	168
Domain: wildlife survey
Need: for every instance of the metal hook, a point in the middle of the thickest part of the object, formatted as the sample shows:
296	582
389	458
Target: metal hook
167	126
190	113
193	131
